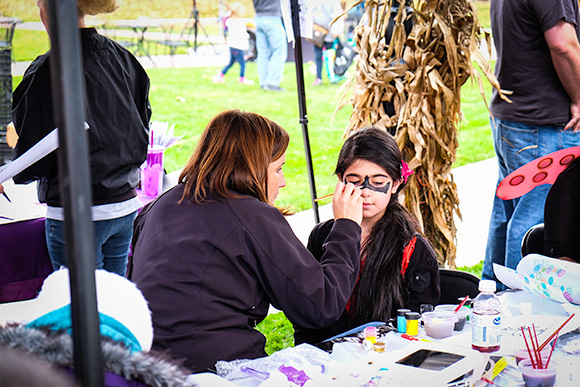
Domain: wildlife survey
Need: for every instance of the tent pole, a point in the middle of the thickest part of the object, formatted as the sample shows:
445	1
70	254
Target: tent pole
68	96
299	62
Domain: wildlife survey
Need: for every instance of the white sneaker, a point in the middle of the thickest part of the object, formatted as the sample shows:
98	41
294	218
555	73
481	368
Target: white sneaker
218	78
246	81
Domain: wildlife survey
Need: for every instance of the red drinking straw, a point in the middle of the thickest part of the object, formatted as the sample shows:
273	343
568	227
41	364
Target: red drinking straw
460	305
538	354
528	347
533	348
556	332
552	350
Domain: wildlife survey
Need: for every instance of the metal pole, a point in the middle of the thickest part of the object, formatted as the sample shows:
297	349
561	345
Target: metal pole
68	96
302	102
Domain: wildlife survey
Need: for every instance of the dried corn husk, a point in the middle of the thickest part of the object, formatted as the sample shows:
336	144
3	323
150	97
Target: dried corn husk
422	75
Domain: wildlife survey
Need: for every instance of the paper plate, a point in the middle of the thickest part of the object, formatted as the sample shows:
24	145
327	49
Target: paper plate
543	170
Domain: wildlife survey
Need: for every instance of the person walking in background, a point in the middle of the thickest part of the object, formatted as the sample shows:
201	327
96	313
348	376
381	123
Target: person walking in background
538	59
324	11
238	42
270	43
117	111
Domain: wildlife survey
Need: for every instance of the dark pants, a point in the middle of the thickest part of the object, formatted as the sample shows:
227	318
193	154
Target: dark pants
236	56
318	57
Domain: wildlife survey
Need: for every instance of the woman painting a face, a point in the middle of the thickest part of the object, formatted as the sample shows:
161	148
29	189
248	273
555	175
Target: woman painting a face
398	266
211	254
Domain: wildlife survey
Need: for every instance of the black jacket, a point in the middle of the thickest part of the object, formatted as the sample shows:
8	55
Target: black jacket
421	281
116	108
210	272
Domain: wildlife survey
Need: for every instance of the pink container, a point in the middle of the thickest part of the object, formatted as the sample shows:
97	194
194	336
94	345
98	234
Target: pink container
522	353
538	377
152	172
439	325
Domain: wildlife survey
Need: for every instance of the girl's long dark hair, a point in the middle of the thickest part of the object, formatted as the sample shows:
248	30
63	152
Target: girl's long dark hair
381	289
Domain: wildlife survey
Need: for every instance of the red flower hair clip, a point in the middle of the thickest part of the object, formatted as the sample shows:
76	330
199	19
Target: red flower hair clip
405	170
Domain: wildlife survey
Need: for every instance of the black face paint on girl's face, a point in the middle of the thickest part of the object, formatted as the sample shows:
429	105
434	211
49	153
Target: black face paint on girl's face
367	184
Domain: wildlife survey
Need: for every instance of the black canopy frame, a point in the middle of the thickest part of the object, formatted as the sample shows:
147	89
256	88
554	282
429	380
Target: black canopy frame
68	96
303	119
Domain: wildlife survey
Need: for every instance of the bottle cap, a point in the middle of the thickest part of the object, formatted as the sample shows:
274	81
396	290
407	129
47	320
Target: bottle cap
487	286
412	316
401	312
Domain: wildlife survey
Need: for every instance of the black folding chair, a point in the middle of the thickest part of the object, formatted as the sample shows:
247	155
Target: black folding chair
456	284
533	240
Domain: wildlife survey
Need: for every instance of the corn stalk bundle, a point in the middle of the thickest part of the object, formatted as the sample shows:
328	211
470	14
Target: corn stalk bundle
421	74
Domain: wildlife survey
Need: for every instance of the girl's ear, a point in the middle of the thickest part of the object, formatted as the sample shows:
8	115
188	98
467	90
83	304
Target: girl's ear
339	176
396	185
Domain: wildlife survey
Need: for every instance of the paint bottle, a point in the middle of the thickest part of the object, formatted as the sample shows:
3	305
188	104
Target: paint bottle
371	334
412	321
401	321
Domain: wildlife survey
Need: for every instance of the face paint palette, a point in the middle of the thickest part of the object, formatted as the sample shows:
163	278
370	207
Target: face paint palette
543	170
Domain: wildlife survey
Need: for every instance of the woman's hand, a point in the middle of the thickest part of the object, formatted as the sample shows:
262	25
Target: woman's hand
347	202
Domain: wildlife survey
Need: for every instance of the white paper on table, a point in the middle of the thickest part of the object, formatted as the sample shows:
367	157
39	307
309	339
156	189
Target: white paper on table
544	325
548	277
24	203
509	277
42	148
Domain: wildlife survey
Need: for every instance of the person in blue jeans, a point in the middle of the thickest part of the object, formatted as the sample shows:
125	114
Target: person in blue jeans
117	111
538	60
270	44
239	42
324	11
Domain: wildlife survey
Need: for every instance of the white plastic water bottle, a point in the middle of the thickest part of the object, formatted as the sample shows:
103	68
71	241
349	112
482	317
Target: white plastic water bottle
486	320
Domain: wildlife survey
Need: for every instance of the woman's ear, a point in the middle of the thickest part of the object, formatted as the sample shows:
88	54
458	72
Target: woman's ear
339	176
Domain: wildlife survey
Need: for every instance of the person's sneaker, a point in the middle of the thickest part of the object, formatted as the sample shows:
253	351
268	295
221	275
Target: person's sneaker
273	88
317	82
218	78
246	81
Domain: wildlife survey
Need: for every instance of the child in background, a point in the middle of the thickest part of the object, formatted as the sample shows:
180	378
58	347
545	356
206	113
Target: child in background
238	41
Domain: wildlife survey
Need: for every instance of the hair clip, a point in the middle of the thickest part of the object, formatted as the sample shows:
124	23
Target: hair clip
405	170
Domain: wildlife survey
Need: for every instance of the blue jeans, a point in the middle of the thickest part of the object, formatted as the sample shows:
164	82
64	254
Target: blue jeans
112	243
236	55
318	57
272	49
517	144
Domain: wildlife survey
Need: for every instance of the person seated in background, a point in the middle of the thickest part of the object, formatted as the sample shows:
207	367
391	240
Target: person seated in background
42	329
562	216
399	268
212	253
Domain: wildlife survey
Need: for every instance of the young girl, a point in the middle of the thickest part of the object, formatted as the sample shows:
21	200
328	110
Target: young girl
238	41
398	266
